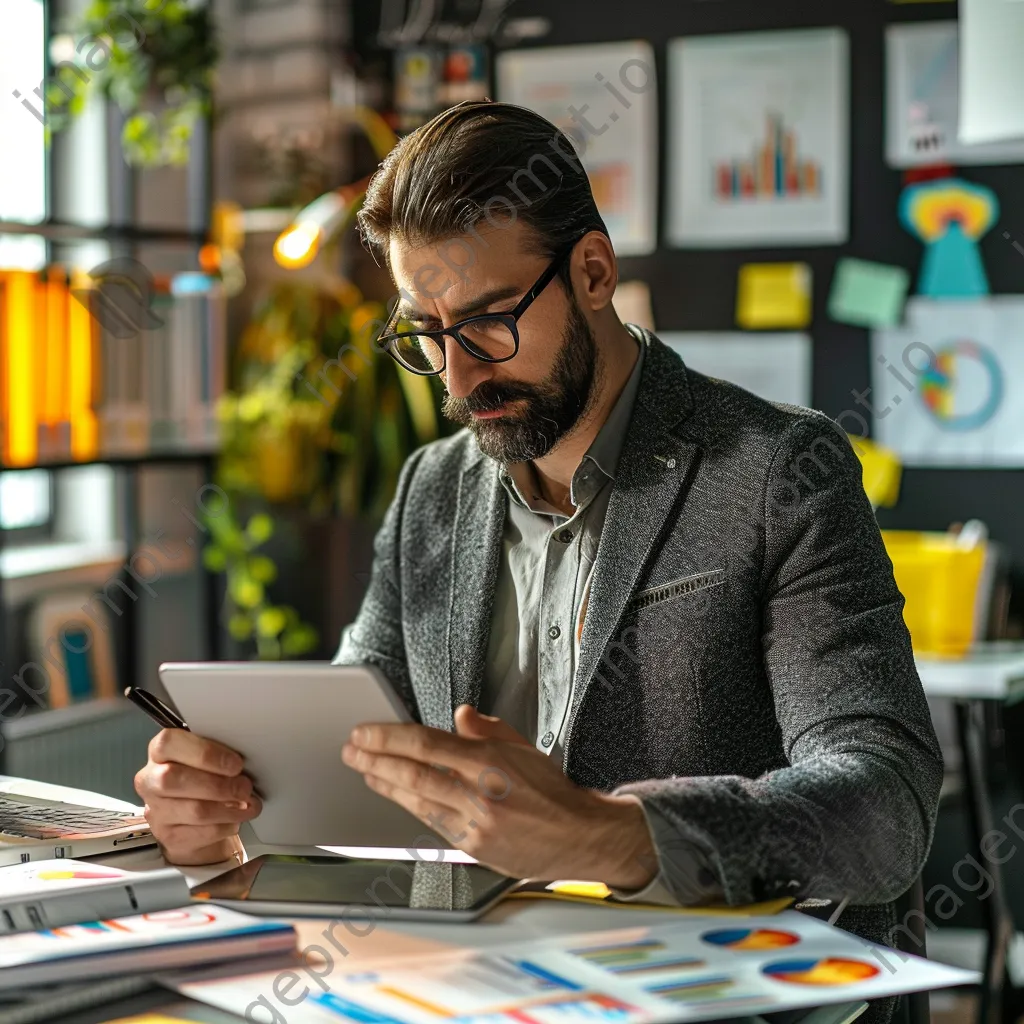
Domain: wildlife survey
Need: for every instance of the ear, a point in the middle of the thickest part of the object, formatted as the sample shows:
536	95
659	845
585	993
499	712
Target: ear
595	271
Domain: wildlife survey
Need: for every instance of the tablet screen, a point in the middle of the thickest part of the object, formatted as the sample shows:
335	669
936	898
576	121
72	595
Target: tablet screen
420	885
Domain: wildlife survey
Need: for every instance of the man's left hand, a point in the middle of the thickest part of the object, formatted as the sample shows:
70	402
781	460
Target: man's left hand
490	793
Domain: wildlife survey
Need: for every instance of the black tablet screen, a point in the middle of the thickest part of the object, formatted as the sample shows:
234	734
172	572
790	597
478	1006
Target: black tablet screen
421	885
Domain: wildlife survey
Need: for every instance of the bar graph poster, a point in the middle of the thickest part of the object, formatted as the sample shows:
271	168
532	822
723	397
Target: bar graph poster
923	100
604	98
948	388
759	139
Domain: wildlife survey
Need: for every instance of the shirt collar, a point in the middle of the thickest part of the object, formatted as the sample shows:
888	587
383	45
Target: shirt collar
599	464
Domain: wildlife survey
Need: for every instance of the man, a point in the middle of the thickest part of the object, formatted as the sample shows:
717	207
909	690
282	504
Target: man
644	619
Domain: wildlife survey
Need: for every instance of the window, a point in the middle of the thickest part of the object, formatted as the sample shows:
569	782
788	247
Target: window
26	502
23	163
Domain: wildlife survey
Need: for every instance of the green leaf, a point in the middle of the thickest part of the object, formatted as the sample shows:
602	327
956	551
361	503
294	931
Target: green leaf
215	559
246	593
262	569
240	626
260	527
299	640
270	622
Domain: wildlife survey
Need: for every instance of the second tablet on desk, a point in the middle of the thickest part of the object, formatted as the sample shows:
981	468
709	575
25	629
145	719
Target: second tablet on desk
289	720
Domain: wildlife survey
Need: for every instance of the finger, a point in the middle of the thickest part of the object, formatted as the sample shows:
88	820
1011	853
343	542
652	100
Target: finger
163	812
180	780
421	743
451	825
188	838
433	784
470	724
187	748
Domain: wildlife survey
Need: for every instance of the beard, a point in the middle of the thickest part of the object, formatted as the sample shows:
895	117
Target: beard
552	407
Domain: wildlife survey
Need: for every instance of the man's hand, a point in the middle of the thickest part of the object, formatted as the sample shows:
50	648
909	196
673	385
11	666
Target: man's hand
196	797
490	793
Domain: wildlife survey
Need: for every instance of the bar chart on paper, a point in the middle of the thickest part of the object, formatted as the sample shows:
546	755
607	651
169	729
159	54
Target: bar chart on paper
775	168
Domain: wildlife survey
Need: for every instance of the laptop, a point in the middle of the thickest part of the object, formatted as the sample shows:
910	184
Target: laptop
32	828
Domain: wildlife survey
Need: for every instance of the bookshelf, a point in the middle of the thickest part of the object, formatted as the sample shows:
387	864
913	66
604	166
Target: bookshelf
78	389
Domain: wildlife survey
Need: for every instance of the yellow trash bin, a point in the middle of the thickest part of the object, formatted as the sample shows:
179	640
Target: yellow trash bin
940	582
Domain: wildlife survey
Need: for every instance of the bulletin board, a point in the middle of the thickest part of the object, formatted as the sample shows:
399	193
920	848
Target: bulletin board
695	290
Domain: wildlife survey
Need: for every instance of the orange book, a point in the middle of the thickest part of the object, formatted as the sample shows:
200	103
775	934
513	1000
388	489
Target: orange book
82	371
19	358
54	420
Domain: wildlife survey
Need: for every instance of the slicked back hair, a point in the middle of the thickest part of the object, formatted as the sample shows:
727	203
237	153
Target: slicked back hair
480	163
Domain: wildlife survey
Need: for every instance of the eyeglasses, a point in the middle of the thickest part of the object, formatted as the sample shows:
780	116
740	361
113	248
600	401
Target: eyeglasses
492	338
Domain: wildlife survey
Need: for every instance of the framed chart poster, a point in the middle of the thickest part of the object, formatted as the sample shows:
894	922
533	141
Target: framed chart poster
922	116
604	98
759	139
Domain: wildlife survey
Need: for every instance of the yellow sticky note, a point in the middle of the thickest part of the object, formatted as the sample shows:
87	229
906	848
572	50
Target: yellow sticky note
774	295
595	890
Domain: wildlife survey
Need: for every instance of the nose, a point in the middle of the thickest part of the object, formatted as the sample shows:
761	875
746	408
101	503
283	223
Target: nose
462	373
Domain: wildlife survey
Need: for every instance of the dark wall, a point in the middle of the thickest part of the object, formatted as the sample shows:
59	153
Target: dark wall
696	289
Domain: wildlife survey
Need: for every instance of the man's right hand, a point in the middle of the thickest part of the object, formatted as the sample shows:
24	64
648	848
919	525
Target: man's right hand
196	797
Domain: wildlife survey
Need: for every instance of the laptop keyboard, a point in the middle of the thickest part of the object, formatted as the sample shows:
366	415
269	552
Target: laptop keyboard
40	821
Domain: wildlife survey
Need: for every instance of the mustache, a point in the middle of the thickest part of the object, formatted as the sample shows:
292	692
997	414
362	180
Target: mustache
489	396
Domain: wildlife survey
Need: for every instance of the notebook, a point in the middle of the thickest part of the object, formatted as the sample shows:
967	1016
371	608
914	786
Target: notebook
147	942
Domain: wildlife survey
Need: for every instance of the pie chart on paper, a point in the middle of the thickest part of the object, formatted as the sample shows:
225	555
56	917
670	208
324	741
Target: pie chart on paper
740	939
827	971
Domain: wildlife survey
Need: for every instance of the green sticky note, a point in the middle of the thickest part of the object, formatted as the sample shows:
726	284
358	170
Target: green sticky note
868	294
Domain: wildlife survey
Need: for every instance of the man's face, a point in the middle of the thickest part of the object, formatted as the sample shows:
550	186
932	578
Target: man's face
519	409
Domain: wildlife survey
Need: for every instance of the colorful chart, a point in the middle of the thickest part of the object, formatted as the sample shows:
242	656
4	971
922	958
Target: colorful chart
698	988
751	938
639	957
829	971
962	386
774	170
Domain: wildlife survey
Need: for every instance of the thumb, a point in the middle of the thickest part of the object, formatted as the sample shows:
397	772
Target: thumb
473	725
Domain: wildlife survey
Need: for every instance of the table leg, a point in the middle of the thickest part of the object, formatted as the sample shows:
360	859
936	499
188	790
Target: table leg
998	922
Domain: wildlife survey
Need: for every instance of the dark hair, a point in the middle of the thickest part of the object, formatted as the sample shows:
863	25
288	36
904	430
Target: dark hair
480	160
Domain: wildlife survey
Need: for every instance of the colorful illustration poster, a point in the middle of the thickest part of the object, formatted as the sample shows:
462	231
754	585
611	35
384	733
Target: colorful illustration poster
691	969
605	99
773	366
758	128
923	100
947	388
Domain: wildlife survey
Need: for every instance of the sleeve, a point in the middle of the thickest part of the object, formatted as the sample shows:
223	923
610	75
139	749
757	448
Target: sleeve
853	812
376	637
684	877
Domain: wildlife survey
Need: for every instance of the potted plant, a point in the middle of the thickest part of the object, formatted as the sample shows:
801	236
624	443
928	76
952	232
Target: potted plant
312	447
155	59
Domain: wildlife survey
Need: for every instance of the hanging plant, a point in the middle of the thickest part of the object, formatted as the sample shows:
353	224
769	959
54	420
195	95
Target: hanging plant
155	59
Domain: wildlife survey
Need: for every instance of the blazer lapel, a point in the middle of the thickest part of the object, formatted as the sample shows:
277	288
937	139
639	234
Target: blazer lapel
476	552
654	469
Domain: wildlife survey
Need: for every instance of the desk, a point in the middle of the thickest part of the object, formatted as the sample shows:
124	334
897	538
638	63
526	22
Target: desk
990	672
510	921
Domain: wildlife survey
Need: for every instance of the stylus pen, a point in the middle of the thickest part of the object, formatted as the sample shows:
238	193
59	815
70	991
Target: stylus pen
155	708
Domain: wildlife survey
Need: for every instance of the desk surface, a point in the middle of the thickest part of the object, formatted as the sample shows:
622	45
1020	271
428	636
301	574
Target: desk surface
989	672
510	921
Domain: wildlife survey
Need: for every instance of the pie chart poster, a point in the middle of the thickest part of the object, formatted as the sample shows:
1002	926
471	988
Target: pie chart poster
948	386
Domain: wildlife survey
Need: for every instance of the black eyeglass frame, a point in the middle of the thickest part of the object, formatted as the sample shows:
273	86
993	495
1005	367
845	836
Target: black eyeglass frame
387	342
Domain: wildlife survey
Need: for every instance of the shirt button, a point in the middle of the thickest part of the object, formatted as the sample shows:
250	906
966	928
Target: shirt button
554	632
565	536
547	739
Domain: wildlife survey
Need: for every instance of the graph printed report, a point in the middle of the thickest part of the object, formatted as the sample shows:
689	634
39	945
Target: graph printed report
696	969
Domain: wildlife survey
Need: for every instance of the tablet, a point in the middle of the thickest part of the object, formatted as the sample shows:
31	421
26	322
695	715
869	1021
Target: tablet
328	886
289	720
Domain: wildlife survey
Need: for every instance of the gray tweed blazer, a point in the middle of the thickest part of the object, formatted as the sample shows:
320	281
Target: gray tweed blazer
744	665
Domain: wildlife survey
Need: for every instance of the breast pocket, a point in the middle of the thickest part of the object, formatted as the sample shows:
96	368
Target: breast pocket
679	589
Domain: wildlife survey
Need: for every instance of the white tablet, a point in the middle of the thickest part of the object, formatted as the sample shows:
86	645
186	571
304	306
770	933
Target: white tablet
289	720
